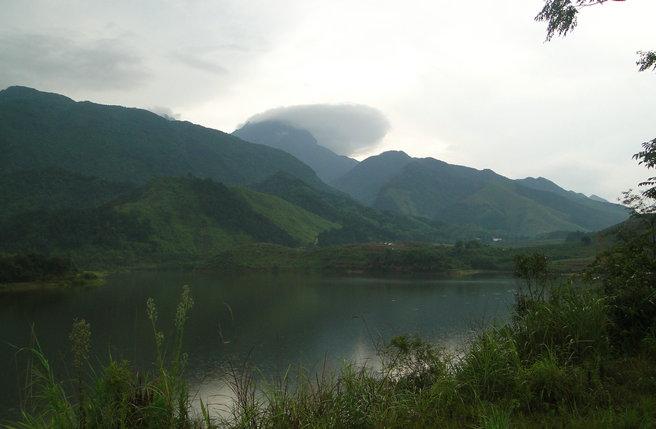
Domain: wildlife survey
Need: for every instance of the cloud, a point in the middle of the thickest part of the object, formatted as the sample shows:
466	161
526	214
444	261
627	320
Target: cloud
200	60
347	129
165	112
49	60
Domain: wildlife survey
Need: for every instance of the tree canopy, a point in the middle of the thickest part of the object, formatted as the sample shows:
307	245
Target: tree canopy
561	17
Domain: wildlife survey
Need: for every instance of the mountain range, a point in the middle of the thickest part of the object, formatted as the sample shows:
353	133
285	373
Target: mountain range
43	130
109	183
433	189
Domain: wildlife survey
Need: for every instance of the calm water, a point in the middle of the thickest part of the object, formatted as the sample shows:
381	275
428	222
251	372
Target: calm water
273	320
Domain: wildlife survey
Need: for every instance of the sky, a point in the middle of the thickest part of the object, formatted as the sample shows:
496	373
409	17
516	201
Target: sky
468	82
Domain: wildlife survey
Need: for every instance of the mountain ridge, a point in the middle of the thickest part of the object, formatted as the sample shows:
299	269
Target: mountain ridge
434	189
41	130
300	143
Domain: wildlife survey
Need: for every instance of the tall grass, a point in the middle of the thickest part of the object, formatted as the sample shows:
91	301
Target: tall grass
115	396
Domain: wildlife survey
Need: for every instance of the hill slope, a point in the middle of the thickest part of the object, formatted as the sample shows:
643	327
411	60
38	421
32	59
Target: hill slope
40	130
300	143
169	218
53	189
365	182
455	194
359	223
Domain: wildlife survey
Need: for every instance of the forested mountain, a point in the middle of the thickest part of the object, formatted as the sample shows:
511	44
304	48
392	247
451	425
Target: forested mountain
166	218
439	191
55	189
109	183
41	130
327	164
359	223
365	182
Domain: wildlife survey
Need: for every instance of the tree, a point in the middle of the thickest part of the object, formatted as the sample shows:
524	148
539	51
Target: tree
647	157
561	17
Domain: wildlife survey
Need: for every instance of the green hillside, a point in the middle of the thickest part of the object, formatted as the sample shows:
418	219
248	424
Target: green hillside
40	131
496	206
167	219
299	223
365	182
458	195
54	189
359	223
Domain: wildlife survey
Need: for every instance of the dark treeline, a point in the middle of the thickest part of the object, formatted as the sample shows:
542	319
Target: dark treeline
33	267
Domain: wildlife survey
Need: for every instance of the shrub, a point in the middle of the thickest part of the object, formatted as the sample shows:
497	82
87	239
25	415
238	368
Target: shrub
414	363
571	323
488	371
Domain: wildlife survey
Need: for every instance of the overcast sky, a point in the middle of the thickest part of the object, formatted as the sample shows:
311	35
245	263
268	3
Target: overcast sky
469	82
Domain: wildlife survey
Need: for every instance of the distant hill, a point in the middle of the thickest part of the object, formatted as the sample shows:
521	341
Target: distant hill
359	223
166	218
454	194
327	164
365	182
41	130
598	198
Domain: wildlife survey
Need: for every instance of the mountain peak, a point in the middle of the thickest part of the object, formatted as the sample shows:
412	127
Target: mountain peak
18	92
398	154
298	142
270	131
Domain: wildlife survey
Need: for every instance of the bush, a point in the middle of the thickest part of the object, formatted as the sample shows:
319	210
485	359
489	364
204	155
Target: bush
628	274
571	323
489	369
547	383
414	363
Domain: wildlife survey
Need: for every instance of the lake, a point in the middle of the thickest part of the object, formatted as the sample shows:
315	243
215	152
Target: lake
273	321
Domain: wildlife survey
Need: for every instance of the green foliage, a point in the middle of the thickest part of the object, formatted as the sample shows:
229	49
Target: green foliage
646	61
647	157
414	363
178	218
627	272
359	224
32	267
126	145
73	229
488	204
570	323
533	269
302	225
561	17
53	190
401	257
409	258
490	367
117	395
